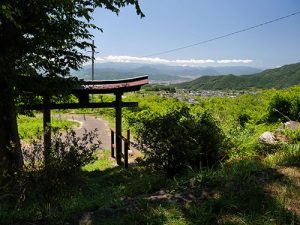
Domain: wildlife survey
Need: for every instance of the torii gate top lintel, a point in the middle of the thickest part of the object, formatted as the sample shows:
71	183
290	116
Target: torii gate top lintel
111	86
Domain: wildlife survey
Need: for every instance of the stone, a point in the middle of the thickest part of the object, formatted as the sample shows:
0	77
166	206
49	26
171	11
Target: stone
130	152
293	125
267	138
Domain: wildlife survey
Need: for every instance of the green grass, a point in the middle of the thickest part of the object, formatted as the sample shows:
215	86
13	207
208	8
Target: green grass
32	127
288	155
239	192
103	162
97	185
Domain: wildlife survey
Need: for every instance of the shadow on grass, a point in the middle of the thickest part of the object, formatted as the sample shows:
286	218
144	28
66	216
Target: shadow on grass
245	192
82	194
248	194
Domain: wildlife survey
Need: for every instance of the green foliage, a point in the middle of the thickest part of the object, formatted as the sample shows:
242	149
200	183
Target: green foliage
172	138
284	106
243	118
57	30
282	77
239	192
293	136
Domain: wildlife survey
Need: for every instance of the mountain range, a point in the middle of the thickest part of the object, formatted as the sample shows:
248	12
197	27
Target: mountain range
282	77
157	73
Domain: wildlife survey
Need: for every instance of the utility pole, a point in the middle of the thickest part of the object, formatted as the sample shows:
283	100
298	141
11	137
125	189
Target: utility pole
93	67
93	60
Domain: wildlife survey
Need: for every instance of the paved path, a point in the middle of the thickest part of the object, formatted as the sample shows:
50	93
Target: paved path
90	123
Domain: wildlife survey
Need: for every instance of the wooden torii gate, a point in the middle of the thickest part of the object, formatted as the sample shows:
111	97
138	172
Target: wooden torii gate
116	87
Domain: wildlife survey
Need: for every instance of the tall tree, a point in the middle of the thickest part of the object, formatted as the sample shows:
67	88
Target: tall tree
41	38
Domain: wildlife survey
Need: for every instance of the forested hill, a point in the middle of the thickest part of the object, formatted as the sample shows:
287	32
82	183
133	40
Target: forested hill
281	77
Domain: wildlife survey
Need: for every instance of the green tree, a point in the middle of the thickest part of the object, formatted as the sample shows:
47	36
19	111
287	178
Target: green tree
41	38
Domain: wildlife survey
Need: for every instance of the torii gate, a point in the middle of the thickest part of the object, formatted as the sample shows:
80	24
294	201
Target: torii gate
116	87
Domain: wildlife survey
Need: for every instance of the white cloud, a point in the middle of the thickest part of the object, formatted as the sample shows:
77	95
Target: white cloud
132	59
224	61
177	62
193	61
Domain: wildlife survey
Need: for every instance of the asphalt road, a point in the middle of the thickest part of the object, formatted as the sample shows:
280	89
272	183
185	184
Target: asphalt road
91	123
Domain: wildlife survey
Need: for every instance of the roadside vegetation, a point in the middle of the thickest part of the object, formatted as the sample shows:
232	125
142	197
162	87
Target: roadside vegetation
202	163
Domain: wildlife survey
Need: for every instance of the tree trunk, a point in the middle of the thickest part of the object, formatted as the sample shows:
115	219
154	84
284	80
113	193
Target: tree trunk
10	148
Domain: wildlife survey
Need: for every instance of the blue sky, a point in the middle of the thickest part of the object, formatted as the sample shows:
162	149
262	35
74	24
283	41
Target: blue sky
171	24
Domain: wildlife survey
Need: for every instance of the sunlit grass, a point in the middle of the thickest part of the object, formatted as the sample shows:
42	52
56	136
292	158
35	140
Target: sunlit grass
103	162
289	155
32	127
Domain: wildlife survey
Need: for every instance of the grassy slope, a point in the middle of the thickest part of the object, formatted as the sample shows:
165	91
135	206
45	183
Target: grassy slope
282	77
241	192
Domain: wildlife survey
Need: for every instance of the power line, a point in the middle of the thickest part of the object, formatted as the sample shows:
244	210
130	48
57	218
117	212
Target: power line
223	36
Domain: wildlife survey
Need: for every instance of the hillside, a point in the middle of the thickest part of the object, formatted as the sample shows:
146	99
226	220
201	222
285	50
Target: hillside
281	77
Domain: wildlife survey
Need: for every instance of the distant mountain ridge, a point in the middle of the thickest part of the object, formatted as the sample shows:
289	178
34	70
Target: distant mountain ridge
282	77
157	72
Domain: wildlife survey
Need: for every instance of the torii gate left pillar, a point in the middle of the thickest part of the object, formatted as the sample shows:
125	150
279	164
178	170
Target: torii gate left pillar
118	127
47	128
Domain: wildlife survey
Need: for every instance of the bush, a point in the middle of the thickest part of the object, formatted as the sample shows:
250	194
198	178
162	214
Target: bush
243	118
173	139
284	107
68	154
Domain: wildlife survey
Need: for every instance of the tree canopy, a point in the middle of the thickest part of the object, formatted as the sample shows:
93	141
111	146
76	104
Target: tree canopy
48	37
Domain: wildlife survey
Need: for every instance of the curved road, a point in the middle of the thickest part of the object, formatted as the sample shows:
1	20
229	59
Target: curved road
91	123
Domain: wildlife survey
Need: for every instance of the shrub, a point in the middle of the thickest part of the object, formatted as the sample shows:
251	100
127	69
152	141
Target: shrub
68	154
173	139
284	107
280	108
243	118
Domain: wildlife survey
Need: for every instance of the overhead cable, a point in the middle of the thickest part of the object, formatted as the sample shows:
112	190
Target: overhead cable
222	36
